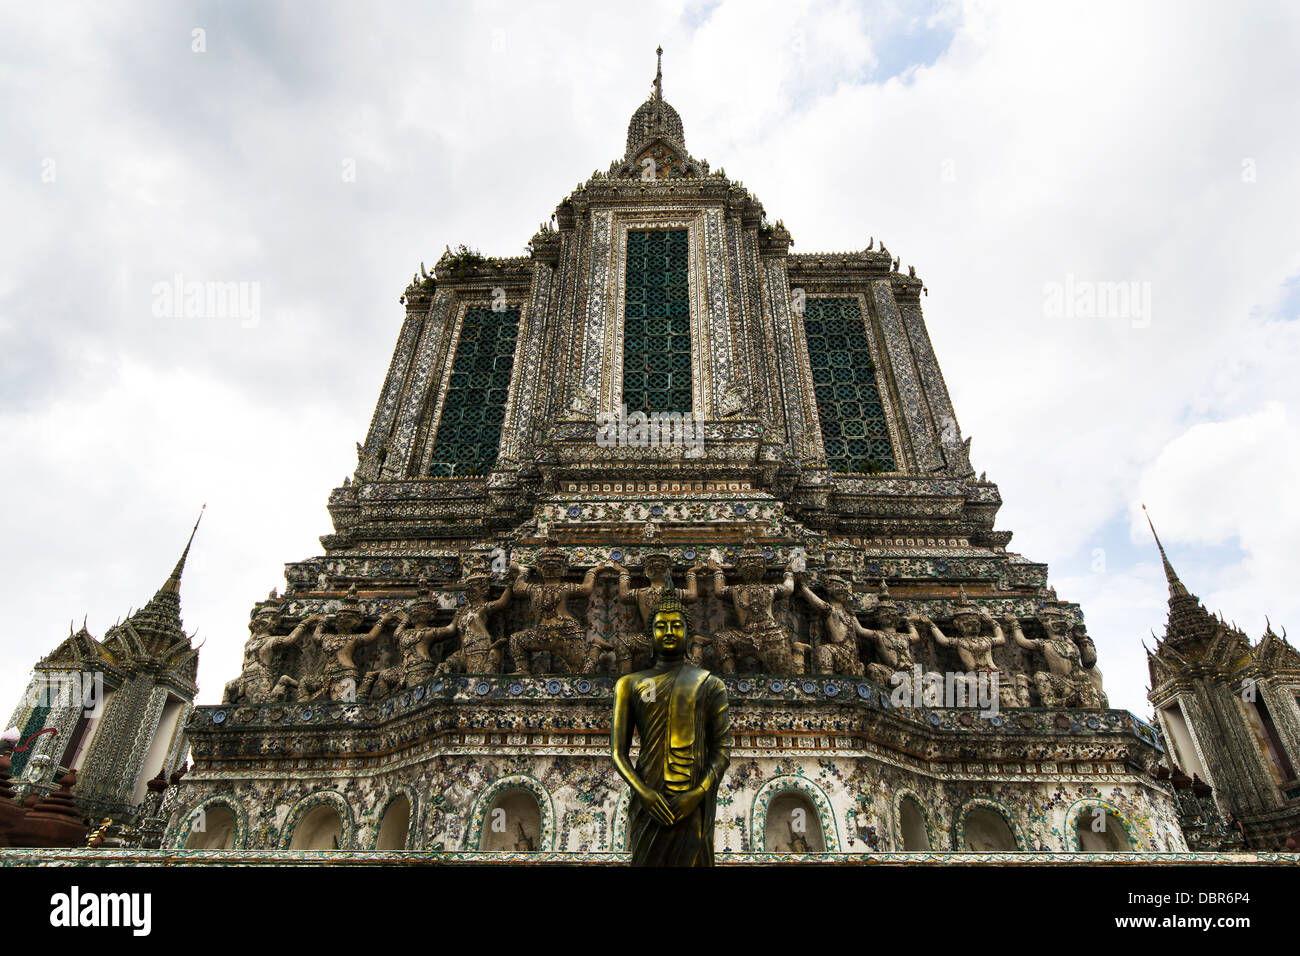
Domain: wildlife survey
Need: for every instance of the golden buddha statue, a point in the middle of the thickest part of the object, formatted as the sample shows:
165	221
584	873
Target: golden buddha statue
680	712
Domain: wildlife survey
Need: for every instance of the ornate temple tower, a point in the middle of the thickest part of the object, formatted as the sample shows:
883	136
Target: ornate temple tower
1230	711
658	385
114	710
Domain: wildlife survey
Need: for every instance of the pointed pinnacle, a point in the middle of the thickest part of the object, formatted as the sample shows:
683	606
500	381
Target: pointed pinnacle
173	583
659	92
1176	587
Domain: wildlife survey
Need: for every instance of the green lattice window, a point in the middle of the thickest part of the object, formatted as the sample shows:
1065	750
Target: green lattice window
657	323
844	379
37	720
469	432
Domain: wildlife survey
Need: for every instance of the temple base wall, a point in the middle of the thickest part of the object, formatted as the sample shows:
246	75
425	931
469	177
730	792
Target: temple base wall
821	765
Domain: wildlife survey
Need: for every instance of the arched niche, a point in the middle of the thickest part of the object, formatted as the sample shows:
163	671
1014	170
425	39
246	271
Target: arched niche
913	833
311	826
512	823
320	828
1098	827
212	829
395	824
985	829
792	825
217	823
772	818
537	817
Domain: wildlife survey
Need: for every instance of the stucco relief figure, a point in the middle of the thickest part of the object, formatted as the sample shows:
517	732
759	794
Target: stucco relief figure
634	648
525	843
1065	683
478	653
415	633
554	628
338	679
695	653
975	648
893	646
798	842
258	681
838	651
680	713
1088	657
759	633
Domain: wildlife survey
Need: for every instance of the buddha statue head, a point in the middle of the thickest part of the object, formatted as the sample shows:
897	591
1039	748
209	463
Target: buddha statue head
670	624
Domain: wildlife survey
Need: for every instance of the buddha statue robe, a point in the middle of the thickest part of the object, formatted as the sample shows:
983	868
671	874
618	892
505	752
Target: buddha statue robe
680	712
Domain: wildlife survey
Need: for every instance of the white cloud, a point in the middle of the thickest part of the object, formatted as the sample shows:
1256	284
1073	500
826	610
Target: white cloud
1233	480
108	515
1118	605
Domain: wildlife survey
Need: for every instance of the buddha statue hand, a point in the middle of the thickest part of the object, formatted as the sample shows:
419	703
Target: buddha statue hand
659	808
683	805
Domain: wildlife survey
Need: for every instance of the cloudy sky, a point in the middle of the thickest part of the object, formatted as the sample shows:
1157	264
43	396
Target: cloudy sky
1021	156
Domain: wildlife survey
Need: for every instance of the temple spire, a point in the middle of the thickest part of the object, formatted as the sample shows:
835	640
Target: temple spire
173	583
655	117
1190	628
659	92
1176	587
